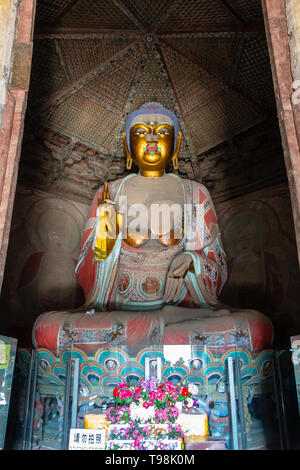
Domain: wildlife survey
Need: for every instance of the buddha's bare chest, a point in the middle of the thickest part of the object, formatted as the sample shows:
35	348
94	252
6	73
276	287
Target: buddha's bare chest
147	193
154	212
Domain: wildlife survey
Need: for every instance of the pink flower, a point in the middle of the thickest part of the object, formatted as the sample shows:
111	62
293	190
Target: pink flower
147	430
123	394
137	441
160	415
159	395
170	388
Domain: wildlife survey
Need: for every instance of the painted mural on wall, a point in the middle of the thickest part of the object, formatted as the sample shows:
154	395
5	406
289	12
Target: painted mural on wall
263	272
43	250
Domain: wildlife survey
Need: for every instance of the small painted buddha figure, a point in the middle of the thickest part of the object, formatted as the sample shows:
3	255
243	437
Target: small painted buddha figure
151	262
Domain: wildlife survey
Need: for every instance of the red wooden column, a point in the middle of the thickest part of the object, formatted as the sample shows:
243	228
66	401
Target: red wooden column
11	132
288	112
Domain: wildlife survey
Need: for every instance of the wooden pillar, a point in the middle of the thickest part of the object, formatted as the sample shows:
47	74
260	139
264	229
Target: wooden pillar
12	122
275	16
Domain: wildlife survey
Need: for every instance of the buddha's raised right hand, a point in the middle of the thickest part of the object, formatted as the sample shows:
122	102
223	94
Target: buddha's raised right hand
108	227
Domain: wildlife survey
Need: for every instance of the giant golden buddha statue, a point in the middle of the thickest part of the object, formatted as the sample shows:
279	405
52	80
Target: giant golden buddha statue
151	262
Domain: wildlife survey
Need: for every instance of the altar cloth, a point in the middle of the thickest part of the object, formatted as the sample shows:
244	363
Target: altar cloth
247	329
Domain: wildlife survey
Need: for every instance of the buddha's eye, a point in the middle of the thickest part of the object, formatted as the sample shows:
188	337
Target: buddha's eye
163	132
140	132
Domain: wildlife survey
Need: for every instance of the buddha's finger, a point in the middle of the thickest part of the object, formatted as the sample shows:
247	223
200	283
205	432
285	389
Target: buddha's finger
178	290
169	296
111	229
181	270
173	290
108	201
167	289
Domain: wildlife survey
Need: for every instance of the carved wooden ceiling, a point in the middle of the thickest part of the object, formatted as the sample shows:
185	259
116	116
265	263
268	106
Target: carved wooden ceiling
95	61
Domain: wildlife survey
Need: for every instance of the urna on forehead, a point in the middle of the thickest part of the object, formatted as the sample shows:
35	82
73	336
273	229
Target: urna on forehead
152	112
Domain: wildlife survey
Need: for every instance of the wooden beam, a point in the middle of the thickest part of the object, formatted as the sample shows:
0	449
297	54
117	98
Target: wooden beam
62	31
70	32
256	27
279	49
130	15
229	10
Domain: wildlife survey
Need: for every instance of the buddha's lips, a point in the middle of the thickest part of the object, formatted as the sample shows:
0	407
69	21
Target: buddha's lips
151	148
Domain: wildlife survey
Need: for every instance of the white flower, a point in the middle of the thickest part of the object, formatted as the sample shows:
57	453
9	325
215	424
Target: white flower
193	389
189	402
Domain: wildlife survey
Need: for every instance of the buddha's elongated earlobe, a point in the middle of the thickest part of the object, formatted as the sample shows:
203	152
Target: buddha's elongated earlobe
129	163
128	156
175	162
175	156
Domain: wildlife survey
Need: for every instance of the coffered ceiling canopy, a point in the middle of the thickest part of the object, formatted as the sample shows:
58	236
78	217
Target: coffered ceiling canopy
95	61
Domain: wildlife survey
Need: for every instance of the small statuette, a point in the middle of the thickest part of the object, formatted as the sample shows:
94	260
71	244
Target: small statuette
90	312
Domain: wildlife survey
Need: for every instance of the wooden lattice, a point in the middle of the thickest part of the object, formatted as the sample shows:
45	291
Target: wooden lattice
82	55
254	73
193	86
214	52
248	10
47	73
118	76
218	120
88	121
48	12
97	14
149	11
195	13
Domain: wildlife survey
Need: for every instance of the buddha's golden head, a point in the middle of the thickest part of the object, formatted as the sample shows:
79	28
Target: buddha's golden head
152	138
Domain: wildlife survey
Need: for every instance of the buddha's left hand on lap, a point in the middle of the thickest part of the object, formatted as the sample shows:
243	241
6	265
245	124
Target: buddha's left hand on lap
175	277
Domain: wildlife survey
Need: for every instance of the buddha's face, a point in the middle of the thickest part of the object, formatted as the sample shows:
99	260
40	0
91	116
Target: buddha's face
152	145
58	238
245	240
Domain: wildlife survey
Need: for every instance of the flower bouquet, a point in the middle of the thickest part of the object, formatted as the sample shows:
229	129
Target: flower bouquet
165	398
148	416
144	417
